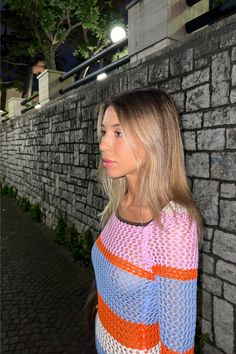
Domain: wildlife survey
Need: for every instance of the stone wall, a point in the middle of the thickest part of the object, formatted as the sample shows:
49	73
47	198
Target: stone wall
51	157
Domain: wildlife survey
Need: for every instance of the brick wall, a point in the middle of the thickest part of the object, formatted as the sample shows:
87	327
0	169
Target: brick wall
51	157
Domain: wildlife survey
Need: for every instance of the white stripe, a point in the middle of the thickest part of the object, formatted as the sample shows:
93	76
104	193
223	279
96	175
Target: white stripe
111	346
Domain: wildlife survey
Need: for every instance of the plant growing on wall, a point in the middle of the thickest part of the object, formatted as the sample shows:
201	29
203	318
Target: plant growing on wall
78	243
33	209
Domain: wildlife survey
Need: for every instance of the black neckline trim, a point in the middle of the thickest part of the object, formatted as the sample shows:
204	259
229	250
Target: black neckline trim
132	222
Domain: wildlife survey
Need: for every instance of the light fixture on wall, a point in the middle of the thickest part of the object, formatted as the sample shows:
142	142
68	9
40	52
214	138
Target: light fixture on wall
101	76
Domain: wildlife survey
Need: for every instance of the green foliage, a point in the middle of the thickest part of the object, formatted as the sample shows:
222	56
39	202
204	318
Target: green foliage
24	204
88	13
16	55
216	3
35	212
12	193
4	190
9	191
52	22
81	251
71	236
122	53
60	230
79	244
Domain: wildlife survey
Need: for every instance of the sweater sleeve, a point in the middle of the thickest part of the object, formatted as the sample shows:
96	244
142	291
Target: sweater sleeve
174	257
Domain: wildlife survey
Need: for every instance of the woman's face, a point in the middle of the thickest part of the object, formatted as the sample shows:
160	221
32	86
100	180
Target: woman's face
118	158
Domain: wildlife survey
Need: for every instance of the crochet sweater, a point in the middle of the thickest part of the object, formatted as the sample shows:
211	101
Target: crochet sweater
147	285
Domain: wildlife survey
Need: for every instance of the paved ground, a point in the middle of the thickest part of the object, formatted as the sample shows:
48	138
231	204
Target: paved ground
43	291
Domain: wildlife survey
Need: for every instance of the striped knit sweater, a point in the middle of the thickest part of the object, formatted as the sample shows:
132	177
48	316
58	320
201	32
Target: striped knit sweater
147	284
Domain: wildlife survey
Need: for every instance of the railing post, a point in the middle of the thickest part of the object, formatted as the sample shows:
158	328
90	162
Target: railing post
14	106
154	25
50	85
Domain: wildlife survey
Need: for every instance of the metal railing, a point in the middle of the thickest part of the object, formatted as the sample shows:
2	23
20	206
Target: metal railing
219	12
4	114
30	100
111	49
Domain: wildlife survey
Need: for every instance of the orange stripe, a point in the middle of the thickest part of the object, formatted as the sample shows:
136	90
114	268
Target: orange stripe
130	334
123	264
174	273
165	350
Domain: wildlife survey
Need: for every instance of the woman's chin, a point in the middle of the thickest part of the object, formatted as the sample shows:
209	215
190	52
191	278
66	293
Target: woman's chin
114	174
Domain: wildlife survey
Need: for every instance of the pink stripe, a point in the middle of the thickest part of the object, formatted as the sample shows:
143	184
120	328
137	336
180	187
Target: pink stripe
125	241
176	245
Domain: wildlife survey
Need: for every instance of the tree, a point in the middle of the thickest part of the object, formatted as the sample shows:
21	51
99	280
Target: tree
53	21
15	61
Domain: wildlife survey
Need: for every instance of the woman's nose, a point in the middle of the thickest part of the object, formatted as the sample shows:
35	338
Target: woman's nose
105	143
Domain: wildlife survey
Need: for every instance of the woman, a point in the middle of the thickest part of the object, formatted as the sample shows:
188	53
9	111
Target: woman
146	257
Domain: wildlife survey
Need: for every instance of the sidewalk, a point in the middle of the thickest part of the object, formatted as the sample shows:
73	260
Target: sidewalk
43	291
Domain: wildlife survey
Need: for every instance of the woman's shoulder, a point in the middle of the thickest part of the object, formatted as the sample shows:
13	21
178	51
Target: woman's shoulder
178	217
174	207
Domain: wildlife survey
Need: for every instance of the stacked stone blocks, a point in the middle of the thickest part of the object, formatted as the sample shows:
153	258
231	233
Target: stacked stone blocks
51	156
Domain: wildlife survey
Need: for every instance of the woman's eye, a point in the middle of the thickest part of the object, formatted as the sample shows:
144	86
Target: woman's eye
103	132
118	134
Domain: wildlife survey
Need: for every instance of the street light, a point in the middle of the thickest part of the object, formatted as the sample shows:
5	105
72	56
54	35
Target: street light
117	33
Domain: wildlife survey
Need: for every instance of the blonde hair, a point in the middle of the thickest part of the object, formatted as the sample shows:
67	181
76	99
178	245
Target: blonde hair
151	116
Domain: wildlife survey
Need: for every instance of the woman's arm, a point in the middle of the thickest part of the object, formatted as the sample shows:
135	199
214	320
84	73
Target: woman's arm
176	276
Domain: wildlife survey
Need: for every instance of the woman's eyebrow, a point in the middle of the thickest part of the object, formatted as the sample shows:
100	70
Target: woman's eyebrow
114	125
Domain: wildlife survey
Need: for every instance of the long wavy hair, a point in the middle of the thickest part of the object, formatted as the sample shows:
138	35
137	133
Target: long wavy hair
149	115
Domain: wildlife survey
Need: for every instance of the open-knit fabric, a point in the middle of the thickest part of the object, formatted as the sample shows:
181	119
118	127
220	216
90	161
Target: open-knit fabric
146	279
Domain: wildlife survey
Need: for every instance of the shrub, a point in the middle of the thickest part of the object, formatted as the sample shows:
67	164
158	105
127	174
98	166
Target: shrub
79	244
71	235
9	191
24	203
35	212
4	190
12	192
60	230
82	251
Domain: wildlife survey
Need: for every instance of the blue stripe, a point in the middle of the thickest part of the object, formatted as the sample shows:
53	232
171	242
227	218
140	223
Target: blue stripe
124	292
177	301
170	302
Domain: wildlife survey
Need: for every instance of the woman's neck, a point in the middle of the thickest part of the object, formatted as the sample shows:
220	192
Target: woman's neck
133	210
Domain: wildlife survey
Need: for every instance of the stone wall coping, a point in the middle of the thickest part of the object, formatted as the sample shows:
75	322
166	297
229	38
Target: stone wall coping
49	71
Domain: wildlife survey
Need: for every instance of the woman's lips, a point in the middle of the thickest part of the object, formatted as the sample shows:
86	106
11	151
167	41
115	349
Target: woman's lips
107	162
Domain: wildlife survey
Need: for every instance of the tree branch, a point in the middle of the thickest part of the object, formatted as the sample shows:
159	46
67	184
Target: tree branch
12	63
7	82
66	34
68	18
36	30
99	48
85	36
49	36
